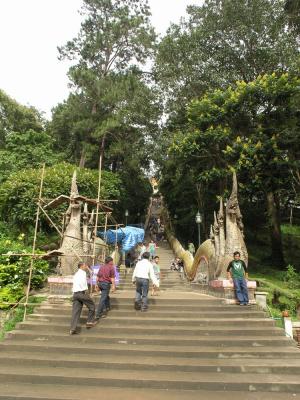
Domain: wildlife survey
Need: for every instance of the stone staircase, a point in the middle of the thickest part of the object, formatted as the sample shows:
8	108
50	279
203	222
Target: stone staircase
187	346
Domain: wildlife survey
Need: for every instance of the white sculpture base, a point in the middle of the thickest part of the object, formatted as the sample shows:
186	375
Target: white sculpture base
225	288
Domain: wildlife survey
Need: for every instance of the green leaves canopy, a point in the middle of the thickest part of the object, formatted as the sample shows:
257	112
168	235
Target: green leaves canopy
18	195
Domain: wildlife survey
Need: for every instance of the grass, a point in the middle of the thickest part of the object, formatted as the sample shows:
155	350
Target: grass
17	315
282	288
291	230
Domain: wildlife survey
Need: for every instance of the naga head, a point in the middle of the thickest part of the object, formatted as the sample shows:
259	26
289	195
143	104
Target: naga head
212	234
216	225
220	215
232	207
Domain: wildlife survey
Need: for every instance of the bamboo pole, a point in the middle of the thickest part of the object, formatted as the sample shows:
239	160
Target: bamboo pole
53	224
105	238
98	203
34	242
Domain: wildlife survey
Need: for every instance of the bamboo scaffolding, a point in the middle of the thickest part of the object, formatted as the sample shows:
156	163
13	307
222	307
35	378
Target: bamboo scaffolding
52	223
41	202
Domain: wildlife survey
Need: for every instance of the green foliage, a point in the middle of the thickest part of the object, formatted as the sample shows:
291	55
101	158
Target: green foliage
136	194
16	315
292	9
291	230
16	118
280	296
27	150
112	99
10	294
113	34
221	42
292	278
14	270
18	195
251	128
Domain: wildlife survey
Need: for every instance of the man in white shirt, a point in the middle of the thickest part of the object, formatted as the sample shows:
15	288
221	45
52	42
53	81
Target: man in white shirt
143	271
80	297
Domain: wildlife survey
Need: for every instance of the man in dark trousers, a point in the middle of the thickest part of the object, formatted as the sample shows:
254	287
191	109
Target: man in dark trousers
80	297
237	271
143	271
106	282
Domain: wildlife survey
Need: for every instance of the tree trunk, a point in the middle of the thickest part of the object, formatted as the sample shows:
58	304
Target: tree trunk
275	231
82	159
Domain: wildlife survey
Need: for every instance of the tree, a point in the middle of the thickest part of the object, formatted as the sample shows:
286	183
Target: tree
292	9
16	118
221	42
115	36
252	127
29	149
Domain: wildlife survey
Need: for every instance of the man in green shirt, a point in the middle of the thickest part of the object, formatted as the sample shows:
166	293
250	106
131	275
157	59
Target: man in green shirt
237	271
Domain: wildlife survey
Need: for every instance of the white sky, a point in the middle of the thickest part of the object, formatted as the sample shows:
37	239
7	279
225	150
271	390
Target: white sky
31	30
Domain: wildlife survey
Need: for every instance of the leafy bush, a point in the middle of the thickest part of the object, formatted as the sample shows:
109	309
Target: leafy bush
280	296
10	294
292	278
28	149
14	270
19	193
16	315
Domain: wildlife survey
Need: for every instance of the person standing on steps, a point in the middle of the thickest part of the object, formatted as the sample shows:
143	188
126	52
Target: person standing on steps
143	271
238	273
80	297
106	282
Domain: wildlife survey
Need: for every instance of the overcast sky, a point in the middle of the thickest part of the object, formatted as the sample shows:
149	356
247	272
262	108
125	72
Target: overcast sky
31	30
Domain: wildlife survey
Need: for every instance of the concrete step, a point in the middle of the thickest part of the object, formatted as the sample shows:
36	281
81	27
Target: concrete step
199	300
129	306
166	331
187	346
151	379
64	346
26	391
116	362
144	319
95	336
157	313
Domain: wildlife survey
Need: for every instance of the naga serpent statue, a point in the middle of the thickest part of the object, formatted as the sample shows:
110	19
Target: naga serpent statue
213	255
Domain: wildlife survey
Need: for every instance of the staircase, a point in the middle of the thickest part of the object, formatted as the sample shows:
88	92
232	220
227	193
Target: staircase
187	346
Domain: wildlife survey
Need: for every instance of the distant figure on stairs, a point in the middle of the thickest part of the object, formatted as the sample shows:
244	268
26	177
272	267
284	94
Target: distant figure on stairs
143	271
237	271
80	297
151	249
141	250
177	265
156	268
191	248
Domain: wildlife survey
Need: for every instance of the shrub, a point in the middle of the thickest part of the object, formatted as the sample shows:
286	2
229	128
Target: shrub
292	278
14	270
19	193
10	294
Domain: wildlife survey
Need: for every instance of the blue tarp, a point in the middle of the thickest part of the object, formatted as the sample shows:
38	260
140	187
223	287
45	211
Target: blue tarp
128	237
